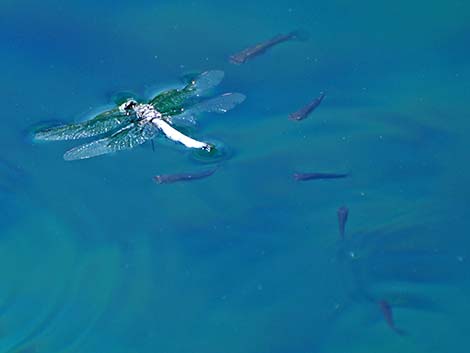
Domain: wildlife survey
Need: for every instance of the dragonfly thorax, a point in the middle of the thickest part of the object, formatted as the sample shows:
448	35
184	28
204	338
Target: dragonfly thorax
146	112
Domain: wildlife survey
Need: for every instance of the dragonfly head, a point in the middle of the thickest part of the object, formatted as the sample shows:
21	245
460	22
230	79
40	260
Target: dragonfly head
127	106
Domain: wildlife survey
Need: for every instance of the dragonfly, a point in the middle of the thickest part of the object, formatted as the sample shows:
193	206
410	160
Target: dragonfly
133	123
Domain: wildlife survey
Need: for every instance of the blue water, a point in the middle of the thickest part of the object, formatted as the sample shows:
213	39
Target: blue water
96	257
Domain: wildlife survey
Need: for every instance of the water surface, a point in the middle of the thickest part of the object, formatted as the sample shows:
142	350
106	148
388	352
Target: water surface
95	256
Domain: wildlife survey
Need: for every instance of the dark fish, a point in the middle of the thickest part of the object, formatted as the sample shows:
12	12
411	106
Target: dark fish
260	48
315	176
305	111
388	316
342	212
172	178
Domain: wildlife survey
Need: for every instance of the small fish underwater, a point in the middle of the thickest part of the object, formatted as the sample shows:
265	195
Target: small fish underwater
342	214
318	176
305	111
132	123
173	178
260	48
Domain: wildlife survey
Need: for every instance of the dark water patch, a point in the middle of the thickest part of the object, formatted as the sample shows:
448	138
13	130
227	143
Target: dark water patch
393	257
416	128
451	49
408	298
416	267
12	177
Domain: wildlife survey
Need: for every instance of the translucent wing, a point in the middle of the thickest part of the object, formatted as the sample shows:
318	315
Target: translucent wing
220	104
126	138
172	101
205	81
183	120
100	124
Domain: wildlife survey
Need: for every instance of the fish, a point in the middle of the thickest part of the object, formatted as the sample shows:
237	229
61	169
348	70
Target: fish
305	111
172	178
315	176
387	313
342	212
260	48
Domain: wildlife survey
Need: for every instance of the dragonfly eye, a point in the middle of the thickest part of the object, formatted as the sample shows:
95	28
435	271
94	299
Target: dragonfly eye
127	106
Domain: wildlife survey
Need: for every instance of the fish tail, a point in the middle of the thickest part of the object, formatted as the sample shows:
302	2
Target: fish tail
400	332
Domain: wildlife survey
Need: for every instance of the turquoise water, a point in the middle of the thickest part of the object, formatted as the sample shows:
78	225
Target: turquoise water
96	257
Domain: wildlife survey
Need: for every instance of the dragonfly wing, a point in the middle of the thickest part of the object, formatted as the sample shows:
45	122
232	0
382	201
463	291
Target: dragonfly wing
124	139
220	104
172	102
205	81
182	120
100	124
